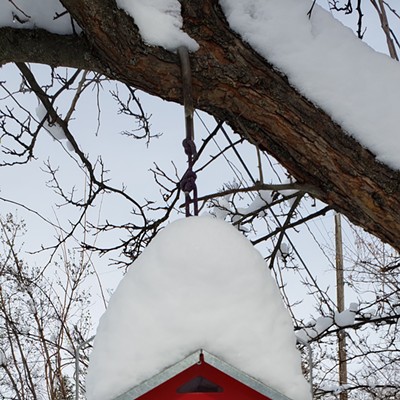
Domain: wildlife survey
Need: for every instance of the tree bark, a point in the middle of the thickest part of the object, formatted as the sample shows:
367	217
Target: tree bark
235	84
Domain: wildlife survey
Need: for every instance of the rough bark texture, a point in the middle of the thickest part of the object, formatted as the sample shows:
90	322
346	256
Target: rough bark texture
236	85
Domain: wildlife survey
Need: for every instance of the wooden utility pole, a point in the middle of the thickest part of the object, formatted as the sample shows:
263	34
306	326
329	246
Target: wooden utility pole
340	305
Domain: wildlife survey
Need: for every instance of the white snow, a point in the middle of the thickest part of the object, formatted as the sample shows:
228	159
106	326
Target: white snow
3	358
262	200
318	327
28	14
324	60
341	319
289	192
221	208
159	22
284	251
54	130
200	284
358	87
335	389
346	317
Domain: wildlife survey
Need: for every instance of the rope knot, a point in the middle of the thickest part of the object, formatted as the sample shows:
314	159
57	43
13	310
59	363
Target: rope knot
188	181
189	147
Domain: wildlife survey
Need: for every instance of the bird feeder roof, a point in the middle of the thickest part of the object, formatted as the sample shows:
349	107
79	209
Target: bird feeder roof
211	360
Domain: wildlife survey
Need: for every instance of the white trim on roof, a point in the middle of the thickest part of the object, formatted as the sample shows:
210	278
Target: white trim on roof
192	359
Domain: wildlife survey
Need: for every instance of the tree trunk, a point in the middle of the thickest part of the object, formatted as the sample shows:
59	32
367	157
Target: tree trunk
235	84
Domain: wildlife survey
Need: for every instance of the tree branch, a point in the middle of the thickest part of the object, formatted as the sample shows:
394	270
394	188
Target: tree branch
42	47
235	84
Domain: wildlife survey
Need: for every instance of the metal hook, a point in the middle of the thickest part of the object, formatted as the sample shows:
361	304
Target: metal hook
187	91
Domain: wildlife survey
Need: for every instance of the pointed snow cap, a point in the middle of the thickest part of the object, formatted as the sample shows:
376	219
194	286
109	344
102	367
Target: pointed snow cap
200	284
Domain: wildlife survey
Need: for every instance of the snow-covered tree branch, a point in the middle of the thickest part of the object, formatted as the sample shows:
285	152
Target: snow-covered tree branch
237	85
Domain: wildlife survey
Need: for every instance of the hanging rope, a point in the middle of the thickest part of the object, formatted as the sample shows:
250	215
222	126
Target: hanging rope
188	181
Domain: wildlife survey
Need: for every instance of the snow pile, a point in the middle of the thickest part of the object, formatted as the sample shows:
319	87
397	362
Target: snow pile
222	207
54	130
27	14
334	389
328	64
341	319
263	199
284	251
289	193
159	22
319	326
346	317
199	285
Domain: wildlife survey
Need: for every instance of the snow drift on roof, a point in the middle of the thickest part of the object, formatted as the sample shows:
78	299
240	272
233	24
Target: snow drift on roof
199	284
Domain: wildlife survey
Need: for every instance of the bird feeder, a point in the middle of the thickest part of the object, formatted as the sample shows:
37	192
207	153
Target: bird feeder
202	376
199	283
